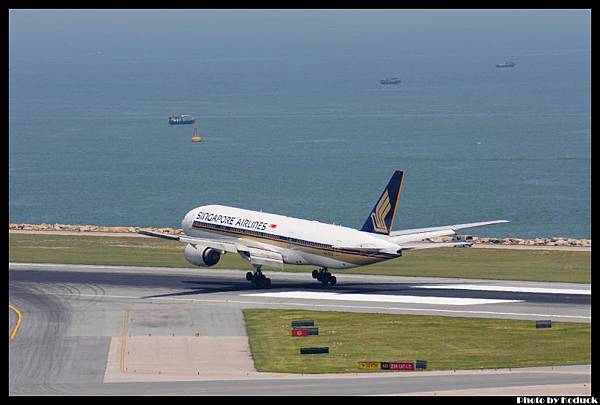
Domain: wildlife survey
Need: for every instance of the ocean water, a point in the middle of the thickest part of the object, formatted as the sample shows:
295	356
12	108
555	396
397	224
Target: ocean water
297	123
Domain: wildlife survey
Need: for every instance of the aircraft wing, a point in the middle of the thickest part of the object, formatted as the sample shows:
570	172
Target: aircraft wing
158	235
431	245
394	250
213	244
418	234
397	250
256	256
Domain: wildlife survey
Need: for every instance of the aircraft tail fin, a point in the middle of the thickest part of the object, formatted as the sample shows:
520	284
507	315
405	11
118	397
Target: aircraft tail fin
382	215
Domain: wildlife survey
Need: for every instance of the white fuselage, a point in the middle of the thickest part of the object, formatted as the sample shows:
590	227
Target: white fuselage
299	241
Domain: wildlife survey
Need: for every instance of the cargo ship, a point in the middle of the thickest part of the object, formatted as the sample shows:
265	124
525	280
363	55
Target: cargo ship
181	119
391	80
505	65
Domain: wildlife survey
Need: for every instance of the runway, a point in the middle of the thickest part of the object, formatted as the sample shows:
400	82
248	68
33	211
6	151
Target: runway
85	328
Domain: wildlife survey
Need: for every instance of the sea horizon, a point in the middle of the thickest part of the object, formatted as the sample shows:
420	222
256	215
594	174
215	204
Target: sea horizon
294	119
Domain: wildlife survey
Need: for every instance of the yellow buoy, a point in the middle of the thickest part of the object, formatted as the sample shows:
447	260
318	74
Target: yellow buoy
196	137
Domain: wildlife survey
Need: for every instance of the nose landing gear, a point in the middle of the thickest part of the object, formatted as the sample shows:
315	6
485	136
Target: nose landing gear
324	276
258	279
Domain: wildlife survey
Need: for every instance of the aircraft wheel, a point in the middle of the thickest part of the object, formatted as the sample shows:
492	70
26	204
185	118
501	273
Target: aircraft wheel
332	280
249	276
315	274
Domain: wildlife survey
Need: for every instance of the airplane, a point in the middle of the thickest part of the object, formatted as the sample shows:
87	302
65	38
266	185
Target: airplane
264	239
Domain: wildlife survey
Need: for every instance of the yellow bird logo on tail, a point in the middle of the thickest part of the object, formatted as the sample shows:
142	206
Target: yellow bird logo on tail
381	210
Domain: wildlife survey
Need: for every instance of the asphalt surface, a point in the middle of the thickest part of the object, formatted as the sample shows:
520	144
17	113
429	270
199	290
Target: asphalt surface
71	314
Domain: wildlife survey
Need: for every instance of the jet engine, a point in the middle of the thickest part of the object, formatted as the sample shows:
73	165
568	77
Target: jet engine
201	255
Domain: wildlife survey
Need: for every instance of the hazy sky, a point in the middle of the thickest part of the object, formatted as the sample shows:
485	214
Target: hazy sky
281	32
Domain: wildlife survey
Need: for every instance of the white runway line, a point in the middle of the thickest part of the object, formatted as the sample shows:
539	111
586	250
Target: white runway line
281	304
480	287
412	299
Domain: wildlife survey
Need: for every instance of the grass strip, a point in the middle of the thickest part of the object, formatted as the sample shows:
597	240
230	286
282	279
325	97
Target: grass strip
445	342
500	264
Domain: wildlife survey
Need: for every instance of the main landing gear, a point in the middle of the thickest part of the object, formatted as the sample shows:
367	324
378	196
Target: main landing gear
324	276
258	279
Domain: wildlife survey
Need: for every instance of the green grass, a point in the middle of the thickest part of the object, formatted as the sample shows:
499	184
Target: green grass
445	342
501	264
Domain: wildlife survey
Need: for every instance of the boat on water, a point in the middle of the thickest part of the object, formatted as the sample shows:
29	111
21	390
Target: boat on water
181	119
391	80
196	136
505	65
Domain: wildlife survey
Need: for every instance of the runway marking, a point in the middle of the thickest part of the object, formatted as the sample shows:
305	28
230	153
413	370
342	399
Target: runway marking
280	303
18	324
413	299
479	287
124	339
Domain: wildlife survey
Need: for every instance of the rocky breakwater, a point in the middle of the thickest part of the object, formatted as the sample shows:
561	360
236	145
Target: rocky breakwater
88	228
556	241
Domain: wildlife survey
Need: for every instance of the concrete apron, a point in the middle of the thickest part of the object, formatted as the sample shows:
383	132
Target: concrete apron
178	358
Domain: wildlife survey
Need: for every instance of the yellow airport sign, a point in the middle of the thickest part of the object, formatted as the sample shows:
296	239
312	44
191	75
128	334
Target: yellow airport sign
369	365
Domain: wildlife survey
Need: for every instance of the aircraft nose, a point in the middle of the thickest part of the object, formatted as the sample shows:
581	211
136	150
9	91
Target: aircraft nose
186	223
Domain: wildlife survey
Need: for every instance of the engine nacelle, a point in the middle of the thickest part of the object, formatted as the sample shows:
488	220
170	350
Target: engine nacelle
201	255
